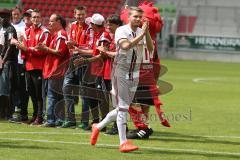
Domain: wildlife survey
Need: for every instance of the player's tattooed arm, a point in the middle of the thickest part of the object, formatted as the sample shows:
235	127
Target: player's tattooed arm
127	44
81	51
104	52
81	60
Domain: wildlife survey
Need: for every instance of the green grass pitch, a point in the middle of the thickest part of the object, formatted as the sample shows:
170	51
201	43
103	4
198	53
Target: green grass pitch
203	109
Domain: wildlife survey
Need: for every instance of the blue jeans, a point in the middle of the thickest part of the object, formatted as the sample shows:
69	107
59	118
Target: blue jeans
55	109
93	105
44	96
89	102
71	93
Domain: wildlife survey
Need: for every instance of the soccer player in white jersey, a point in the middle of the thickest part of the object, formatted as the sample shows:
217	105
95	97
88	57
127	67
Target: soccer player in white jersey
129	41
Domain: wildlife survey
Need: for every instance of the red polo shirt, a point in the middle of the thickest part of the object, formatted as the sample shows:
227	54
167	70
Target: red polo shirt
35	59
55	65
109	60
99	38
78	33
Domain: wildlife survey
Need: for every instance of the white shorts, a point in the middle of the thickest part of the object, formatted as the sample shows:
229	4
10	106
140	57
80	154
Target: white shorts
123	91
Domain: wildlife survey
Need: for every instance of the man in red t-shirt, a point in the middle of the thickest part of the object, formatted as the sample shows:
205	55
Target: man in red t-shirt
77	37
97	36
34	61
113	22
54	69
107	55
77	32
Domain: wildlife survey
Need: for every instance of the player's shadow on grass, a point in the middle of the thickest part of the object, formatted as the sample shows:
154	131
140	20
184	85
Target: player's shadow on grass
190	153
177	137
20	145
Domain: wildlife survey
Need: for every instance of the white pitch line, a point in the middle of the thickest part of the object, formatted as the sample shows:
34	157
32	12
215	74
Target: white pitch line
88	133
116	146
47	133
205	79
215	79
202	136
230	137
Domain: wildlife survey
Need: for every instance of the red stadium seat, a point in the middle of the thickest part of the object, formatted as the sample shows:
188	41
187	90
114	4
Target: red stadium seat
66	7
75	3
45	7
108	4
52	8
35	1
93	4
60	8
105	10
42	7
186	24
48	2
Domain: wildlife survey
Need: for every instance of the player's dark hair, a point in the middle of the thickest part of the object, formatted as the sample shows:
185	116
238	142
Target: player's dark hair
5	15
62	20
36	10
80	8
17	8
115	19
26	14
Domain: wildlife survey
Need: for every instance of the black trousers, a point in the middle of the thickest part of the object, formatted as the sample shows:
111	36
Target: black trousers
18	93
34	87
4	107
106	100
22	95
99	100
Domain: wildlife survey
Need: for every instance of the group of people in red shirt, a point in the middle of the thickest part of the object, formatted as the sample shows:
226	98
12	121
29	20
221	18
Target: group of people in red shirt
64	62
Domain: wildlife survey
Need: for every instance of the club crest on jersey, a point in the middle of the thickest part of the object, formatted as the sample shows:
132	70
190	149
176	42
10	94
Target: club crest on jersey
73	33
37	36
130	35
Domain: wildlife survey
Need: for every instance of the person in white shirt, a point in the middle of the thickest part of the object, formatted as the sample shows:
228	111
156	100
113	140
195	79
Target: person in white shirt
2	40
20	100
129	41
19	25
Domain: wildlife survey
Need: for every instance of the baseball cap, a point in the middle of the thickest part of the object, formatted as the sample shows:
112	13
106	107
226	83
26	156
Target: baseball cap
88	20
27	13
97	19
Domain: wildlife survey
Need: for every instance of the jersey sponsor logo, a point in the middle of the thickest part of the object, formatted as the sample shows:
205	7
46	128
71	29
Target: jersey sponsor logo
73	34
37	36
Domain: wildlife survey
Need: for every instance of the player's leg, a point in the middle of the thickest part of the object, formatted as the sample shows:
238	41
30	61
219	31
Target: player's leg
111	116
126	91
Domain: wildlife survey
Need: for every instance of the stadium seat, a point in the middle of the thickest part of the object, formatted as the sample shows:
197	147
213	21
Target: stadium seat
75	3
66	7
186	24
